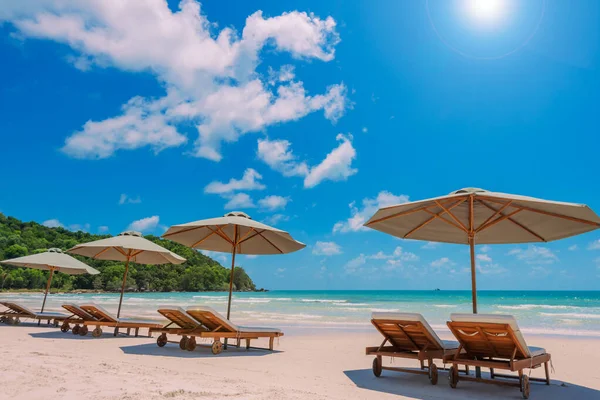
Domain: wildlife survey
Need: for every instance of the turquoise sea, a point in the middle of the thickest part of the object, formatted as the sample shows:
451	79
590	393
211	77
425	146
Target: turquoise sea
573	313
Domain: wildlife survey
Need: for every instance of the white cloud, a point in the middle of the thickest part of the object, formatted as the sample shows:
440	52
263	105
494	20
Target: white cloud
239	200
103	229
79	227
273	203
125	199
535	255
278	155
53	223
210	75
442	262
539	271
364	129
279	272
394	260
250	181
369	206
275	219
430	246
573	248
215	255
485	249
595	245
285	74
336	166
484	258
326	249
144	224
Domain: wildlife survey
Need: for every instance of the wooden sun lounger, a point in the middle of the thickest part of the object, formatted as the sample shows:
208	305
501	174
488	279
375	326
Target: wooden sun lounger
79	316
16	311
409	336
495	342
204	322
102	317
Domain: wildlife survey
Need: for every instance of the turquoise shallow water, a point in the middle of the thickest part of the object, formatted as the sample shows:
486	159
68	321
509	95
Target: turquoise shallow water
575	313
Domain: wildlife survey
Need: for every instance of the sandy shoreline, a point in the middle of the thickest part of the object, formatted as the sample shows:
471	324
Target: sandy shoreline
41	362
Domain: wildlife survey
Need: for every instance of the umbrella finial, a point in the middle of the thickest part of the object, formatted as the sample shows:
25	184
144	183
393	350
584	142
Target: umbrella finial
469	190
131	233
54	250
237	214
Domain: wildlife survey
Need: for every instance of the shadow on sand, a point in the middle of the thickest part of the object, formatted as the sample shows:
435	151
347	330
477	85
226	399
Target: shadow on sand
69	335
418	387
173	350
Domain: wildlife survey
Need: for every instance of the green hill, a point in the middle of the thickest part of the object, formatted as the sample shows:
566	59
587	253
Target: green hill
198	273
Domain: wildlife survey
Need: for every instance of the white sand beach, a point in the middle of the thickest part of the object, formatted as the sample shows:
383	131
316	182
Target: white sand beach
43	363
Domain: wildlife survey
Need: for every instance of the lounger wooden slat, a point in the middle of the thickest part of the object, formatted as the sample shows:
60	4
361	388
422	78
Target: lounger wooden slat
495	342
102	317
15	311
204	322
408	335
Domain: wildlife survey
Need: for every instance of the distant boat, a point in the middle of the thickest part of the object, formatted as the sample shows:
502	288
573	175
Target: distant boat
437	289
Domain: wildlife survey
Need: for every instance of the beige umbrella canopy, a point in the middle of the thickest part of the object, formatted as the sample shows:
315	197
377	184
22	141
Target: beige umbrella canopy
472	215
128	247
52	260
234	233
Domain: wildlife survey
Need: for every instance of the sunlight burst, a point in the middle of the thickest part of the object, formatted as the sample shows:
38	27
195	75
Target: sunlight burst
486	11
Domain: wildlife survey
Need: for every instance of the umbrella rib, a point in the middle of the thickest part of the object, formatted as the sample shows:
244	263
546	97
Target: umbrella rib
493	215
202	240
271	243
446	221
432	218
401	214
243	237
574	219
101	251
451	215
120	250
516	223
500	219
256	233
182	231
220	234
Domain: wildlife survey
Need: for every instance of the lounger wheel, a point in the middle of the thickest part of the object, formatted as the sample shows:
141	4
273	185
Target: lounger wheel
64	328
433	374
217	347
525	386
377	367
191	344
16	321
97	332
453	377
56	322
3	319
161	341
183	342
75	330
83	330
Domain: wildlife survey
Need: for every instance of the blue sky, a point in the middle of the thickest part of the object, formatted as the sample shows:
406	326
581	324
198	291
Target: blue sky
310	115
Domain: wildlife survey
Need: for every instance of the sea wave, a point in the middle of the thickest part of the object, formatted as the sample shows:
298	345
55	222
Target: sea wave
445	305
322	301
533	306
350	304
572	315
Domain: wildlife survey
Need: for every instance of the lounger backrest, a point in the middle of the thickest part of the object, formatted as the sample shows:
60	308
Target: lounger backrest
489	335
98	312
211	319
78	311
178	316
406	331
19	308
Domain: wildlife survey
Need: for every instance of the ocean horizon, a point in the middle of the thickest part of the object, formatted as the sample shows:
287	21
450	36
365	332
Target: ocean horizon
556	312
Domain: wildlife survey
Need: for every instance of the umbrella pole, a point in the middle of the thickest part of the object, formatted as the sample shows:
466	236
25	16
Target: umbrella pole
123	286
47	289
232	269
473	277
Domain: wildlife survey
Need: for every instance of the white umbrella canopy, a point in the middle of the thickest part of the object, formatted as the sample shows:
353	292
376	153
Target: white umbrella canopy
128	247
52	260
472	215
234	233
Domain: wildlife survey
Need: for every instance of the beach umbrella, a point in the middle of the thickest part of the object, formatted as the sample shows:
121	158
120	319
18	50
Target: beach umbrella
127	247
52	260
472	215
234	233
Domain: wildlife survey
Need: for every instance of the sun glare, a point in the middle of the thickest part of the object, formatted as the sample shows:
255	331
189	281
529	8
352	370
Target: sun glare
486	12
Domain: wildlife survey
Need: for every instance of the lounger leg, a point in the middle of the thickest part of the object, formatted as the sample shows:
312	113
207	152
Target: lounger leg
137	331
492	373
547	373
271	339
247	344
520	377
467	369
116	331
238	343
422	364
39	322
